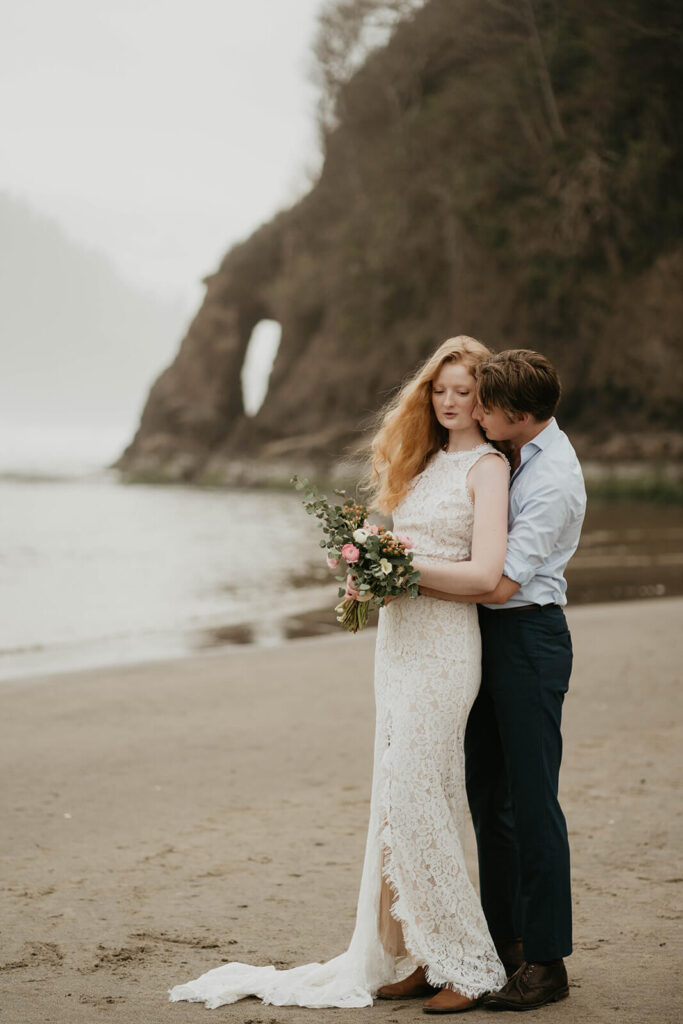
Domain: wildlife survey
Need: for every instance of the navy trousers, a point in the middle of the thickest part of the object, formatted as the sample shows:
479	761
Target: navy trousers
513	748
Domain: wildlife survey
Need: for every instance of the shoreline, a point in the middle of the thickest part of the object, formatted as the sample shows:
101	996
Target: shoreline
165	817
308	624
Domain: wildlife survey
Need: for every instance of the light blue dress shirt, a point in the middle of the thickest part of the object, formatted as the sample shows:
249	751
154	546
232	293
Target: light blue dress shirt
545	514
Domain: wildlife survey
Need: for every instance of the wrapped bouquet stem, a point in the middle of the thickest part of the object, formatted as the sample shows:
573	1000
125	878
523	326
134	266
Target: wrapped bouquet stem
375	563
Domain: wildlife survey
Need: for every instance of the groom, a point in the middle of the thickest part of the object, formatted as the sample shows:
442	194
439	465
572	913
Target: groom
513	743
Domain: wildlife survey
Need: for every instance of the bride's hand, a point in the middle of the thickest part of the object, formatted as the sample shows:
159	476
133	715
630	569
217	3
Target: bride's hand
352	591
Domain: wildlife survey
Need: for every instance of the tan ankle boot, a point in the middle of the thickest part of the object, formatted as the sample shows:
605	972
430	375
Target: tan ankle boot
414	985
450	1001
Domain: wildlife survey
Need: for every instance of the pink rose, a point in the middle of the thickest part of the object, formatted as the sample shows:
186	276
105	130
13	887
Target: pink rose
350	553
405	541
373	529
332	562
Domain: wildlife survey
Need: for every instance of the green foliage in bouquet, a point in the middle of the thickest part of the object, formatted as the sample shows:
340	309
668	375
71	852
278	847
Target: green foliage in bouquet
379	563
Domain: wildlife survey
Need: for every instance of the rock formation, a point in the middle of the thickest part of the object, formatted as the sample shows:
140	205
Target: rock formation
508	169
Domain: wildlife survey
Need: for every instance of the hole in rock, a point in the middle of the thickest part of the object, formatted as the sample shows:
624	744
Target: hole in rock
258	362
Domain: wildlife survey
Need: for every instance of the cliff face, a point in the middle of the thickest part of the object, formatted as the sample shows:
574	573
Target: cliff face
502	168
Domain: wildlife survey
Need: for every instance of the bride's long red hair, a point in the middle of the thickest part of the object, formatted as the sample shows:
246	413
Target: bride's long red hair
409	432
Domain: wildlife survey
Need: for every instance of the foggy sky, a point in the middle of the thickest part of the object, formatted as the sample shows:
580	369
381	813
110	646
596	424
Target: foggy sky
158	132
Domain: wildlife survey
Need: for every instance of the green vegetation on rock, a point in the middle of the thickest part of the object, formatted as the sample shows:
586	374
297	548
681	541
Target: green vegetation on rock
509	169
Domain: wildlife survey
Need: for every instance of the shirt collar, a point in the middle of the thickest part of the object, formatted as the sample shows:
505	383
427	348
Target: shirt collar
543	439
538	443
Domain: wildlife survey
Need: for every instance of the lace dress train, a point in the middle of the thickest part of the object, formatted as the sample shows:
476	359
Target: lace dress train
427	673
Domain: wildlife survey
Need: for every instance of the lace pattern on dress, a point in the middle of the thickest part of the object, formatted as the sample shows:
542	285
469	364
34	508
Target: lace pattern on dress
427	676
427	673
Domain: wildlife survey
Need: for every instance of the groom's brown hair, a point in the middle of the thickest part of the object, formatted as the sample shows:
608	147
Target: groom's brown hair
519	380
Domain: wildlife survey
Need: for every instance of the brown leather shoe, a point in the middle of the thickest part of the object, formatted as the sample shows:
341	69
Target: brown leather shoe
511	955
414	985
531	986
450	1001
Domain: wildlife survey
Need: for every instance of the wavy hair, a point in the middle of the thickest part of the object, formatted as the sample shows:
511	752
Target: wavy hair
409	432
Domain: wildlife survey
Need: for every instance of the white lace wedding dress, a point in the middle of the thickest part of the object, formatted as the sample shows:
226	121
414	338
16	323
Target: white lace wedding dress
427	673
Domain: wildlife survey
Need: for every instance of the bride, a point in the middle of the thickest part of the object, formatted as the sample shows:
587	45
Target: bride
420	929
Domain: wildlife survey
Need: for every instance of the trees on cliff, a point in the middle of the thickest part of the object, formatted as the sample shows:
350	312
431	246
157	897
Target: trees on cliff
509	169
543	134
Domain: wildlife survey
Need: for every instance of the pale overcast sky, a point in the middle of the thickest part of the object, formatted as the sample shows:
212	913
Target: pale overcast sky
158	132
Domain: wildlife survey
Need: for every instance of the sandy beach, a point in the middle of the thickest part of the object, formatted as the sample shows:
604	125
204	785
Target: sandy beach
161	819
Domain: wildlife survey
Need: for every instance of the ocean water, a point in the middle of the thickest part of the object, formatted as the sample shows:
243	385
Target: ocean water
96	572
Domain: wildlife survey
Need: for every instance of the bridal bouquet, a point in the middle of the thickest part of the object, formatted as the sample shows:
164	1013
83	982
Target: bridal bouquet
378	562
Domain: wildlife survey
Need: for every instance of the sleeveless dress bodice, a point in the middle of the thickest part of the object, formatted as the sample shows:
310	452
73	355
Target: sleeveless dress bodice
437	512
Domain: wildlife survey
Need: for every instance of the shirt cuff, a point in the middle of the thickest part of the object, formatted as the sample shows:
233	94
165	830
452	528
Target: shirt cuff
517	570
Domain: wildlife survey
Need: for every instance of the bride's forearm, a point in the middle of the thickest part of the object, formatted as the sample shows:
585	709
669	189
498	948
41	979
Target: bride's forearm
501	594
466	578
441	595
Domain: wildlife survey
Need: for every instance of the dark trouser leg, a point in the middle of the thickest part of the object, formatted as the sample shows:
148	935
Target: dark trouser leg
491	809
528	666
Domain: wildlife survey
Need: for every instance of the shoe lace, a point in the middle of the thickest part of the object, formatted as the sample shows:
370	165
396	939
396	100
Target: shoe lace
522	976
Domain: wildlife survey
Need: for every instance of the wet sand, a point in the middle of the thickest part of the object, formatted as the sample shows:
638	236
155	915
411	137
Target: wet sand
161	819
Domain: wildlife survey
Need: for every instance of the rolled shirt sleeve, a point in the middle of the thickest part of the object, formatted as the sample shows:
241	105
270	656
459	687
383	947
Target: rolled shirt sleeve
535	532
547	506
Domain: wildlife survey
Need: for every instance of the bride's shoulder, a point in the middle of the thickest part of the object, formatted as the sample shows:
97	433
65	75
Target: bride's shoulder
491	460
